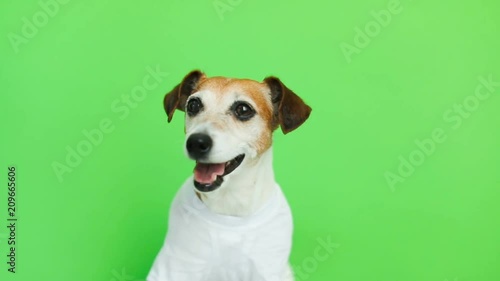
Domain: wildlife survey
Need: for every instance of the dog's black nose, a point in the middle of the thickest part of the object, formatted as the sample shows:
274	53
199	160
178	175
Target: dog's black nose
198	145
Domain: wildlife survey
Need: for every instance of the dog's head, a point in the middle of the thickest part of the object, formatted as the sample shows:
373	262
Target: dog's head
229	122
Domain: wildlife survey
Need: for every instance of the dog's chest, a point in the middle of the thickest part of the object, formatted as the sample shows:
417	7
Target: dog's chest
227	245
226	254
201	248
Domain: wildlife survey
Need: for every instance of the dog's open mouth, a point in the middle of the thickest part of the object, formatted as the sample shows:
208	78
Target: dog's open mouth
209	176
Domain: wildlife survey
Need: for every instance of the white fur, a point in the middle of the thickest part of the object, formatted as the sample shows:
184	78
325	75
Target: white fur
230	137
245	190
249	186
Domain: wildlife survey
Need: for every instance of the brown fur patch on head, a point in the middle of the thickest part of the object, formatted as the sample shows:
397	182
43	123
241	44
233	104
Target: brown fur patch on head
215	84
257	92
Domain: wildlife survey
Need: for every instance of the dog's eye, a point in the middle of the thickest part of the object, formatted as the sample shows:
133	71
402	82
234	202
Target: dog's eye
194	106
243	111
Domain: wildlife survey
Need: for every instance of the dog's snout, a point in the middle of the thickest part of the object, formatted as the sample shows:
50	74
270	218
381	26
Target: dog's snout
198	145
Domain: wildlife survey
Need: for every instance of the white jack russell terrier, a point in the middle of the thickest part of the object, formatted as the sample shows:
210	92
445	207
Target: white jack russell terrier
230	221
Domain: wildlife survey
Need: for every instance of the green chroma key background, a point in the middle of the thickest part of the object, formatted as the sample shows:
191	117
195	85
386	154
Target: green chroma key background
397	169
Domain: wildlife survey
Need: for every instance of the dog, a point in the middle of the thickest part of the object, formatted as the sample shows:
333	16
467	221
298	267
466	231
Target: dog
230	220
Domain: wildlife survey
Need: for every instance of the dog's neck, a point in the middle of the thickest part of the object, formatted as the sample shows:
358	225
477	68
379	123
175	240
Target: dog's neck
246	191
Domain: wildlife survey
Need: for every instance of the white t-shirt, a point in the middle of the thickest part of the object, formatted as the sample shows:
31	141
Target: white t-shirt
204	246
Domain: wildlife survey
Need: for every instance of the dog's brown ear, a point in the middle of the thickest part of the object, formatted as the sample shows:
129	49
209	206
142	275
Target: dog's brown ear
176	99
290	111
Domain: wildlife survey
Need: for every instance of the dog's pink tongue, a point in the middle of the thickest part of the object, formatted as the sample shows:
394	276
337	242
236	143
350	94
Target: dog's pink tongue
207	173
